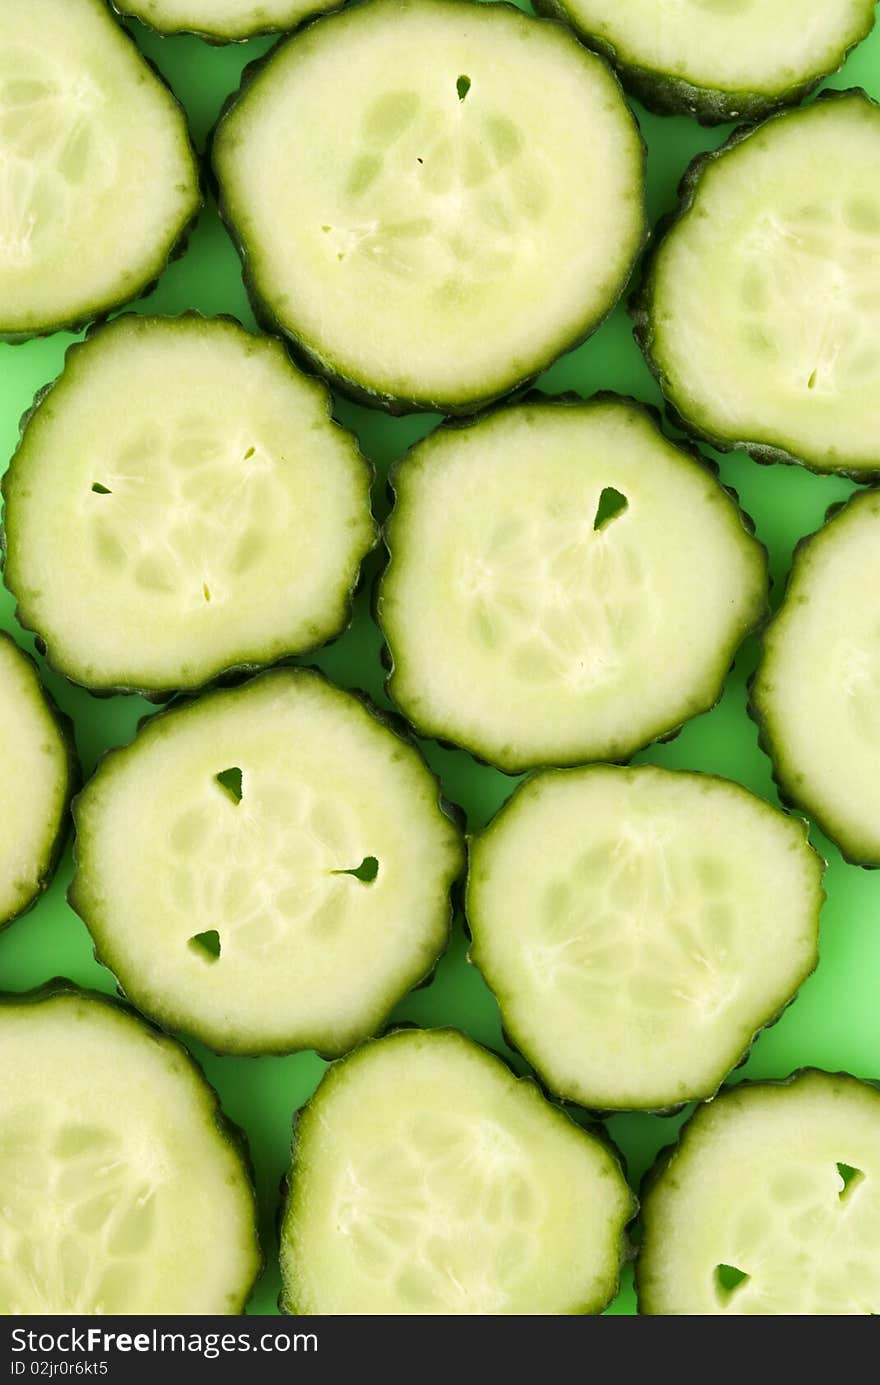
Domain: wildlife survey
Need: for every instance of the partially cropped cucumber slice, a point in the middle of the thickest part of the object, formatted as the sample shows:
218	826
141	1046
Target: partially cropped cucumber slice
815	694
565	584
719	59
181	503
780	232
267	868
769	1205
98	181
639	926
428	1180
124	1190
433	198
223	21
38	770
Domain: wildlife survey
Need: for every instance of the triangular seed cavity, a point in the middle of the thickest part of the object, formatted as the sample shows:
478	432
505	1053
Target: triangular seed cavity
101	490
230	780
850	1177
463	86
366	871
206	944
729	1279
611	504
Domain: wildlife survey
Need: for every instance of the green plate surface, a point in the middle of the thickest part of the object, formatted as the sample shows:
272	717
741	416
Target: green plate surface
834	1022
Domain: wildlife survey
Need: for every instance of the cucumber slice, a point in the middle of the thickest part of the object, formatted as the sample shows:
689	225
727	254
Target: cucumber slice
815	692
267	868
38	771
779	232
719	59
639	926
220	516
428	1180
768	1205
222	21
540	605
470	208
98	180
124	1189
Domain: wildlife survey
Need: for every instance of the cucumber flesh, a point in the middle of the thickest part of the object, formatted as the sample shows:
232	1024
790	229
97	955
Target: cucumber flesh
469	207
768	1205
124	1192
222	21
37	771
181	503
427	1180
638	927
779	232
719	59
815	691
267	868
531	626
98	180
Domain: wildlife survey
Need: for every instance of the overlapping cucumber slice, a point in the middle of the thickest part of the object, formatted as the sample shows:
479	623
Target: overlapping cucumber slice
98	181
38	770
760	310
181	503
124	1190
769	1205
467	204
719	59
267	868
565	584
639	926
428	1180
815	694
222	21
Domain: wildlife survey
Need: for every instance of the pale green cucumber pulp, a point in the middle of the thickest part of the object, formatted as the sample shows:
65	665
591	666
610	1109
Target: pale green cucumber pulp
98	180
639	926
180	504
565	584
124	1192
37	770
769	1205
222	21
434	199
816	694
719	59
760	312
428	1180
267	868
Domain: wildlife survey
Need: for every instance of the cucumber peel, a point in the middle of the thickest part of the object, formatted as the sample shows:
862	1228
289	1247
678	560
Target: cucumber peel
222	21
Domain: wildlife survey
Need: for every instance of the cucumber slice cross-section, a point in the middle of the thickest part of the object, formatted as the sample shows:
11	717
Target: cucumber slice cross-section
469	210
222	21
769	1205
38	770
181	503
639	926
541	605
124	1189
428	1180
268	867
779	231
98	180
719	60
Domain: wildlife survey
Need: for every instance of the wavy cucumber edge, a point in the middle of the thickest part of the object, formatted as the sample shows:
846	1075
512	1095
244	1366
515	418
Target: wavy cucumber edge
220	38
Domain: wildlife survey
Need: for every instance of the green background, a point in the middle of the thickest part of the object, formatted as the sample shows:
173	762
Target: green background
835	1021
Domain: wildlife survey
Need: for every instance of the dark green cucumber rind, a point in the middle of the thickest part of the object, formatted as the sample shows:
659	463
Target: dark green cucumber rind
441	735
175	246
60	988
360	390
224	672
662	1105
666	93
310	1112
669	1154
218	38
641	310
56	842
80	900
771	738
